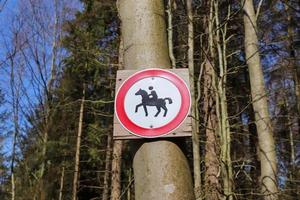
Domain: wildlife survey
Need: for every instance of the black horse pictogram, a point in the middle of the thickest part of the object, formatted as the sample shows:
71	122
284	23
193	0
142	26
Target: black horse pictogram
152	100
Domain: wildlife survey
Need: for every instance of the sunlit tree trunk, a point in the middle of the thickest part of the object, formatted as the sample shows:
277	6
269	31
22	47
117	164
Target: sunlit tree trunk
61	185
78	144
224	130
267	154
195	120
161	171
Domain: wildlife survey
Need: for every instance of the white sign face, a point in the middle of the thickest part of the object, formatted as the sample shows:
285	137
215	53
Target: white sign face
152	102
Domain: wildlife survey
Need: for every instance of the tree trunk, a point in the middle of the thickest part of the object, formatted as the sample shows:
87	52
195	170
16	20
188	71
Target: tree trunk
61	186
296	75
195	120
116	170
266	142
117	146
224	131
15	111
78	143
211	179
170	33
212	184
107	168
161	171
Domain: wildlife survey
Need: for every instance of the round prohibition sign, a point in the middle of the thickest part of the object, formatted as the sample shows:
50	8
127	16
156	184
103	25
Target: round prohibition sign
152	102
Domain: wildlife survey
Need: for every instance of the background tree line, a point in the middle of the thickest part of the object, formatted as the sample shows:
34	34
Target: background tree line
58	66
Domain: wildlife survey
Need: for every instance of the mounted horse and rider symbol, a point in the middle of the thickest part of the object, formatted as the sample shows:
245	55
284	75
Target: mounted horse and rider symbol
152	100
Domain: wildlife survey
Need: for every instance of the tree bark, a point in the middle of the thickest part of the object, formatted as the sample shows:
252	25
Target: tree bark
161	170
212	184
78	143
116	170
212	165
107	168
267	154
61	186
195	120
170	33
118	145
224	131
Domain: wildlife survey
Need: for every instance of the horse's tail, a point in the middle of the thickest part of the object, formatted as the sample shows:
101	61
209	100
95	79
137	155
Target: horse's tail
169	99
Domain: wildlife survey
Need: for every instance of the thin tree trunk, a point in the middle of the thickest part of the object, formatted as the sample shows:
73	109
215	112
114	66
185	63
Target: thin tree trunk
107	168
170	33
48	100
117	145
61	186
212	184
296	75
116	170
195	120
15	108
221	95
210	107
78	144
293	58
266	142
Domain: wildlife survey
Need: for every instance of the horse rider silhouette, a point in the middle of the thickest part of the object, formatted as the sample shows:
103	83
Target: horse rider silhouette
152	100
152	96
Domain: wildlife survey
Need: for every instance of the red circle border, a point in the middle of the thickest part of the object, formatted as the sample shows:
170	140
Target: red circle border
163	130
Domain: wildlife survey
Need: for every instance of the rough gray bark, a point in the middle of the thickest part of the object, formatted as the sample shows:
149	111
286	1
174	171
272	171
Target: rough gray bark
161	171
266	142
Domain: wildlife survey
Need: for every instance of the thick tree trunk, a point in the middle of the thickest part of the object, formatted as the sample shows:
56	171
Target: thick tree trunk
161	170
78	144
266	142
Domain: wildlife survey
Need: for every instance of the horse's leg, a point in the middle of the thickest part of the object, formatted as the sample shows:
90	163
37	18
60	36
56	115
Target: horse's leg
145	109
166	109
158	111
136	108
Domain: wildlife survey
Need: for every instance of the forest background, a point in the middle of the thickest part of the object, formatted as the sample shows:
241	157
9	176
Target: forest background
58	63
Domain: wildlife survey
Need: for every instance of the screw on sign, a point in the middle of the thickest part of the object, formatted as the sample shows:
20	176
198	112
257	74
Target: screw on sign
152	103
